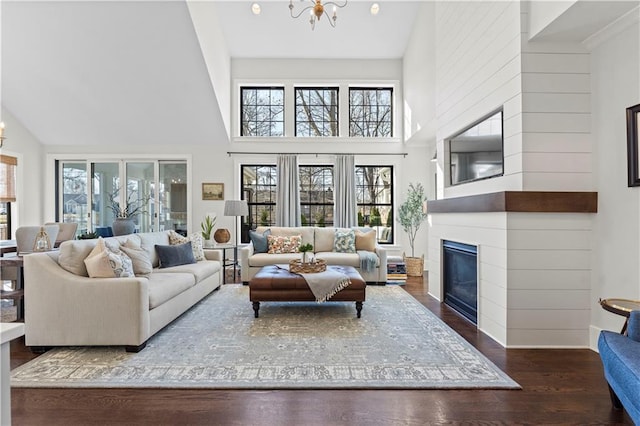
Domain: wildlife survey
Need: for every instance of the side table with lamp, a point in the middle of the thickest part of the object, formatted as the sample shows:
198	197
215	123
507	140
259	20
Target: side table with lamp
235	208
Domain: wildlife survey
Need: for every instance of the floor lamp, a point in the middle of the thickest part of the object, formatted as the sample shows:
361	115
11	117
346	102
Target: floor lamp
236	208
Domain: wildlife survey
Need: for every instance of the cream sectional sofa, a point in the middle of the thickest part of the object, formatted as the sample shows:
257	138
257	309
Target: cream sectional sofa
65	307
322	240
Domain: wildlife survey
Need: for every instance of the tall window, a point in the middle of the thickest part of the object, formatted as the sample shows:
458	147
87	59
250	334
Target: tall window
8	166
316	111
374	189
316	195
262	111
259	189
370	112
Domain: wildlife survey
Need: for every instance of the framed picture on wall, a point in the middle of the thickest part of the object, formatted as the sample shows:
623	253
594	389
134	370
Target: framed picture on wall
213	191
633	155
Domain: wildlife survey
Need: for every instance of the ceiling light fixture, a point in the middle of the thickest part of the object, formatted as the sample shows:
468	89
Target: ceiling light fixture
317	10
255	8
375	8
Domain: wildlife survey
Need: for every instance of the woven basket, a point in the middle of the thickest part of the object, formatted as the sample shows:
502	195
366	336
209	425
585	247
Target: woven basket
296	266
415	265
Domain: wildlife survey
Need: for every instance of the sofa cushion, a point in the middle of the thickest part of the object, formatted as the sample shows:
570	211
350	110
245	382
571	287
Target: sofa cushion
324	238
366	240
279	244
264	259
333	258
165	286
72	256
175	255
200	270
345	241
139	257
148	241
104	262
197	243
260	241
307	232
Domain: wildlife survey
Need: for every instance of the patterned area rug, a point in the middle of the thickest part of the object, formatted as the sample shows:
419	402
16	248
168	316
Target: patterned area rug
218	344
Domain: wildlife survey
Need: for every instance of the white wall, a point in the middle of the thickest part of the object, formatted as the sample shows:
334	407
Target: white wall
615	71
477	71
542	13
21	144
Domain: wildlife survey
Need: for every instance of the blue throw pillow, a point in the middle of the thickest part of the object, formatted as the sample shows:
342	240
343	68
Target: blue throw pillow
260	241
175	255
345	241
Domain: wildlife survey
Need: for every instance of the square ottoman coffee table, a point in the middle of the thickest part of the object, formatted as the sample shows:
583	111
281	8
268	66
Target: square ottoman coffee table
273	284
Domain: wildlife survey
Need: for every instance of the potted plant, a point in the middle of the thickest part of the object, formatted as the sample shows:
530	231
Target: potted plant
410	217
207	228
304	249
123	223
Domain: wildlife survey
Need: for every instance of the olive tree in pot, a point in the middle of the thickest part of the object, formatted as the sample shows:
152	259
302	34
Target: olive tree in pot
410	217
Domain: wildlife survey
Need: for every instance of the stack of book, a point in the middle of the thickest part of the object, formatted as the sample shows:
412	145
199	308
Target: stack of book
396	272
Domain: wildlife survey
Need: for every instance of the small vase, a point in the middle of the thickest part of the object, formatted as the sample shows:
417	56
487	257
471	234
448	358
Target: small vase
222	236
123	226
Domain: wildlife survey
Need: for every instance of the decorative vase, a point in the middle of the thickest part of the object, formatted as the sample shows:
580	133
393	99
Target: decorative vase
123	226
222	236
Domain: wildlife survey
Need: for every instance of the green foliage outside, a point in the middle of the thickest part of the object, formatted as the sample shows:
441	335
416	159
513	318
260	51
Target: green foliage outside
375	220
390	219
264	218
360	219
320	220
303	220
410	214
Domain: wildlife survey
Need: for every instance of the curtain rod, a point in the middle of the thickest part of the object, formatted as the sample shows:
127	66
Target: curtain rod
230	153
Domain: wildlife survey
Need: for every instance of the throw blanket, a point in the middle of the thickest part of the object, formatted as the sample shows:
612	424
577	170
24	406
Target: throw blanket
325	284
368	260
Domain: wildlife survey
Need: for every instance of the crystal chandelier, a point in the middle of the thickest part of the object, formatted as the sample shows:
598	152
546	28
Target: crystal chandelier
316	10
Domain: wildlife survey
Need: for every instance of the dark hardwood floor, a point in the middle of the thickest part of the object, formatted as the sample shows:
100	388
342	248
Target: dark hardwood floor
558	387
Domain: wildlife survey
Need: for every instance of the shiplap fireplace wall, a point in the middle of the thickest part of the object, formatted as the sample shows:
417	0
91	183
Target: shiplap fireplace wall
534	249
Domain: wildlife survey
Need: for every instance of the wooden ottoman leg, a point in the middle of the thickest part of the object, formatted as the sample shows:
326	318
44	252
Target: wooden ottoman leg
256	308
359	308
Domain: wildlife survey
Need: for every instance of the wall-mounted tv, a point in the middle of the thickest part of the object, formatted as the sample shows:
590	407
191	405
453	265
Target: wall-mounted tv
476	152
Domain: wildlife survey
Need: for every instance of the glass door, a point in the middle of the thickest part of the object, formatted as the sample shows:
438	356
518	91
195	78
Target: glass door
74	196
105	183
140	192
172	191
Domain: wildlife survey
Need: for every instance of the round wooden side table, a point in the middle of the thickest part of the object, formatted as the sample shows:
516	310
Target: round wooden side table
621	307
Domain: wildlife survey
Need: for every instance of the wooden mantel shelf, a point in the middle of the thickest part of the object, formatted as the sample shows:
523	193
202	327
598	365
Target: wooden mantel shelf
518	201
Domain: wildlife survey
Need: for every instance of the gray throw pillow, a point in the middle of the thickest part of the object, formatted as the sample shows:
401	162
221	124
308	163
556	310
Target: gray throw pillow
175	255
260	241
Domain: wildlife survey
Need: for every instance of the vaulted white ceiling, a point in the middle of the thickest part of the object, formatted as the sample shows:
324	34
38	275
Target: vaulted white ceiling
134	72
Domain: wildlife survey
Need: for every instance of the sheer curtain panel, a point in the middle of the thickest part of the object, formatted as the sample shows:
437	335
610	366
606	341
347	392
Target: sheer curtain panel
345	208
288	191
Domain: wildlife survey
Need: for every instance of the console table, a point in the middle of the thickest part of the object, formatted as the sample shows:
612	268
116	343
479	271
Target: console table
17	294
8	332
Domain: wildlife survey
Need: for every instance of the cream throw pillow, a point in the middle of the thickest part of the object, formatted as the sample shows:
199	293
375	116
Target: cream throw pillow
197	243
102	262
366	240
139	257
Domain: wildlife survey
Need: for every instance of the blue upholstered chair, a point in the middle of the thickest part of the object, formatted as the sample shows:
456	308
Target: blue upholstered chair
620	356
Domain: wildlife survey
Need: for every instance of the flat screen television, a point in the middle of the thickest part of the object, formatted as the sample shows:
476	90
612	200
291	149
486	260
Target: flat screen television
476	152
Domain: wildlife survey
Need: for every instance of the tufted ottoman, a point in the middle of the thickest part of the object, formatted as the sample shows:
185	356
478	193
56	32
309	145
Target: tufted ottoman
272	284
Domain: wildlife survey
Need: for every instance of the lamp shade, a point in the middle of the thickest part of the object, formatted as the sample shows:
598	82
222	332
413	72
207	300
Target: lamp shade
236	208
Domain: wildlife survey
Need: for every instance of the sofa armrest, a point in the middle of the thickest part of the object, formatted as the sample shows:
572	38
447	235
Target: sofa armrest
381	251
62	308
633	326
212	254
245	253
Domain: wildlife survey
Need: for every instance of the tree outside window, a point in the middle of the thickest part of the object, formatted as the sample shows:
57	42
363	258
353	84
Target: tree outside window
316	111
262	111
371	112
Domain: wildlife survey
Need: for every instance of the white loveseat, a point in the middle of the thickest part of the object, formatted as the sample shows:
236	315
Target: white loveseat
322	240
64	308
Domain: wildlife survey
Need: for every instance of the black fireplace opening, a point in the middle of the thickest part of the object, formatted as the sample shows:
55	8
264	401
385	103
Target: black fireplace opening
460	278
